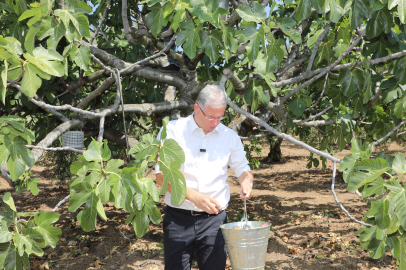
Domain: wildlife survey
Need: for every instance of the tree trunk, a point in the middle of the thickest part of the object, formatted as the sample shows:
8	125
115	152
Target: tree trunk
275	153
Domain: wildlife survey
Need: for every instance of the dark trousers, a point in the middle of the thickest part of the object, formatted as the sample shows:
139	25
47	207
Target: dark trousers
185	234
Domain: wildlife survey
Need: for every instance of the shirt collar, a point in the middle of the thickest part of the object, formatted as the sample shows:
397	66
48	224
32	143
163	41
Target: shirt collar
193	126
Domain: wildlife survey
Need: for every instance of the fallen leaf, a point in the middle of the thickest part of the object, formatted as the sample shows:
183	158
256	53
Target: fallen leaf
298	222
64	256
285	239
312	242
44	266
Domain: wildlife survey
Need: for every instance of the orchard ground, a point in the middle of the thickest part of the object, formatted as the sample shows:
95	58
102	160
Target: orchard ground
309	231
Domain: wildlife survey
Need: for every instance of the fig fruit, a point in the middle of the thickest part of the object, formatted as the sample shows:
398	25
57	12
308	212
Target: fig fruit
265	224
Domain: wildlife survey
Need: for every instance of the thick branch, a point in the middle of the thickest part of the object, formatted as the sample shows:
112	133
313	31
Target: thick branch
125	21
315	116
149	108
105	84
317	123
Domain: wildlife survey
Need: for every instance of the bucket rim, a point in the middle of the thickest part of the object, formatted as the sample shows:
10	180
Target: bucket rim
228	226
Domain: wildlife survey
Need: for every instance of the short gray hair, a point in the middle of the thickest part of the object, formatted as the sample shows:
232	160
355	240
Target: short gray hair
211	95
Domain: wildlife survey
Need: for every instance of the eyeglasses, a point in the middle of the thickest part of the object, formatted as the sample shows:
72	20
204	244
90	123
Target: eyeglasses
211	118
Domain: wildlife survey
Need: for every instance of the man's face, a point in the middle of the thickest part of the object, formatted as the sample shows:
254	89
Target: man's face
202	113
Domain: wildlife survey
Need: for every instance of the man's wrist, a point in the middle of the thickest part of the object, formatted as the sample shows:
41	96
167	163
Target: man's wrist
248	179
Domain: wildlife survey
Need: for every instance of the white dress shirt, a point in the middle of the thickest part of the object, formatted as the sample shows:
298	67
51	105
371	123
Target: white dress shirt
206	172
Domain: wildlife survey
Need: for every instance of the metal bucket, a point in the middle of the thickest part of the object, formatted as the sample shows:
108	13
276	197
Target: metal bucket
246	248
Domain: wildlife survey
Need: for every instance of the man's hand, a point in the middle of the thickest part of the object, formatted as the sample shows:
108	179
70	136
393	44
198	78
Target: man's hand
246	189
205	203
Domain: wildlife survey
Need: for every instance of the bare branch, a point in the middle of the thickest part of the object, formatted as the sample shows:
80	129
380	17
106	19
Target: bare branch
162	52
239	86
101	129
55	148
377	197
298	88
316	46
166	33
389	134
60	203
338	67
105	84
316	115
124	8
269	128
339	204
101	21
149	108
317	123
321	95
256	136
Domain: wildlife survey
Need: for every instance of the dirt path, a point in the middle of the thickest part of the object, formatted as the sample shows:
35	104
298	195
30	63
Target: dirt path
309	229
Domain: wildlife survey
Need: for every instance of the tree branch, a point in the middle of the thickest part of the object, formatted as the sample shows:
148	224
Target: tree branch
316	46
316	115
317	123
298	88
389	134
269	128
339	204
101	21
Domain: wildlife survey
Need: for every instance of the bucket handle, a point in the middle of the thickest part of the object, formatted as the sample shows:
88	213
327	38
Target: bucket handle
245	218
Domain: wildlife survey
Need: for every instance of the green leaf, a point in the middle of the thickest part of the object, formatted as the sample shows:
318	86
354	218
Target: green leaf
254	94
113	166
399	164
7	199
336	11
360	10
374	169
3	82
397	196
351	81
16	168
401	8
171	150
274	48
340	48
30	82
88	217
180	14
26	243
347	167
140	224
30	39
78	20
51	234
399	107
32	185
303	10
189	36
94	152
152	211
81	57
127	186
175	177
247	15
35	13
312	40
147	147
100	210
297	106
155	19
152	189
203	9
374	188
5	235
10	259
402	252
382	216
80	197
212	45
381	21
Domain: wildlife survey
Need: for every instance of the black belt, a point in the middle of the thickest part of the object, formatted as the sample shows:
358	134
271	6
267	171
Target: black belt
191	212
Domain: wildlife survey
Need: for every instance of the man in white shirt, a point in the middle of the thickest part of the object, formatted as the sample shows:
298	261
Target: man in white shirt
210	148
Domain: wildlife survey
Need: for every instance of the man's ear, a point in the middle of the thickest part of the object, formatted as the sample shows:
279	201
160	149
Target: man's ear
196	108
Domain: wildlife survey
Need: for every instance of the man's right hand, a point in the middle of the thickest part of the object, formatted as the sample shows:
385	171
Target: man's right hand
205	202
